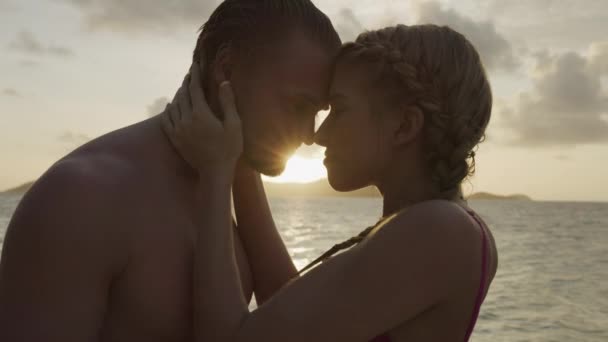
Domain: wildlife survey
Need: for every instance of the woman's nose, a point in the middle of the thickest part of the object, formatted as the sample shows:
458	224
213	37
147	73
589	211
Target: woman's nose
320	137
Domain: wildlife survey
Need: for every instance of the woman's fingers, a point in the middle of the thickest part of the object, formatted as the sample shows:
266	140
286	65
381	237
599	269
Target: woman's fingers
185	104
168	126
178	93
232	122
165	120
198	135
227	100
197	94
166	117
175	116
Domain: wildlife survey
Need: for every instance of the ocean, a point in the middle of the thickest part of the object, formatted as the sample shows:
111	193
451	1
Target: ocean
552	280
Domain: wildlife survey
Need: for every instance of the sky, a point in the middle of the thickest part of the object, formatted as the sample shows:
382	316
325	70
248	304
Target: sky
72	70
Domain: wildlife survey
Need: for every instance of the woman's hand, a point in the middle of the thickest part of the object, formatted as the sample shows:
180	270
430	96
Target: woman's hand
203	140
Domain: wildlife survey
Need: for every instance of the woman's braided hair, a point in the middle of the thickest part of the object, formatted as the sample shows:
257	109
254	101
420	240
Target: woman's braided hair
439	71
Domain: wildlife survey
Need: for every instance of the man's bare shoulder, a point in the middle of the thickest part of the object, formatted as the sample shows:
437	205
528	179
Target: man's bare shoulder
81	180
61	252
78	192
71	215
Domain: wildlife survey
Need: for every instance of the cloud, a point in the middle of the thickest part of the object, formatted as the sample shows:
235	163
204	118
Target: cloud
11	92
160	16
348	25
567	106
526	8
158	106
27	43
7	6
550	23
73	139
598	53
144	15
28	63
495	50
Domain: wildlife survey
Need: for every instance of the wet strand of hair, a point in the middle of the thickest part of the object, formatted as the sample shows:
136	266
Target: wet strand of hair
339	247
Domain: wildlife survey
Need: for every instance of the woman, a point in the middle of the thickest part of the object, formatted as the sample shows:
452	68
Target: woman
409	105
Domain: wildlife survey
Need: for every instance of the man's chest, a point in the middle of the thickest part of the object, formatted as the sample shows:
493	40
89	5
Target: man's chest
152	297
154	293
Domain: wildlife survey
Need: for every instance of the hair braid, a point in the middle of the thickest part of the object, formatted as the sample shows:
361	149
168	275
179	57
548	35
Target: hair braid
438	70
339	247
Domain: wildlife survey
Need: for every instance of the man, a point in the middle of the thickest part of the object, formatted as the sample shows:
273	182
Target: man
101	247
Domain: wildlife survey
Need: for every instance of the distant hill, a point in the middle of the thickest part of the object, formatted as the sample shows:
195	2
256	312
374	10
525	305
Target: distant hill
489	196
323	189
21	189
319	189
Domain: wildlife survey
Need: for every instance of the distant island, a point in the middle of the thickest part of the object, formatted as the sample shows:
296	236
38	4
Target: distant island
323	189
21	189
318	189
489	196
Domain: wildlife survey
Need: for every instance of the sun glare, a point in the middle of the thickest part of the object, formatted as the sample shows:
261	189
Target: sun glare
301	170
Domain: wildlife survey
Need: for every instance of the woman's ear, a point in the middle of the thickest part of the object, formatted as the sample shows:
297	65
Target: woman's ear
222	68
410	121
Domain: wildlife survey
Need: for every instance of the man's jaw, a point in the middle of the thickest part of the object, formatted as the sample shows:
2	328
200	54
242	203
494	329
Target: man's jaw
267	168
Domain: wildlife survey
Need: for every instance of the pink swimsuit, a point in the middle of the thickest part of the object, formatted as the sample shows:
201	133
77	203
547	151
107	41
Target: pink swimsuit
482	284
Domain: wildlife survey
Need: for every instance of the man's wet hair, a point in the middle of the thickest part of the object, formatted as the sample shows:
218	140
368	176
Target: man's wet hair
245	24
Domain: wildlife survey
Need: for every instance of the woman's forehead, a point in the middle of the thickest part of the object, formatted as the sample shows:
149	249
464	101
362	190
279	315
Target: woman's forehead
350	79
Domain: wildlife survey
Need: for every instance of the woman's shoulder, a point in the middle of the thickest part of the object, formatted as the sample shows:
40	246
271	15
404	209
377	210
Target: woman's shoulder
433	213
438	241
438	224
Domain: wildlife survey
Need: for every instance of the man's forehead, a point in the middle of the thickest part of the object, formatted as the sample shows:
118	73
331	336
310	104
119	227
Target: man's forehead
315	98
300	66
311	87
298	43
297	54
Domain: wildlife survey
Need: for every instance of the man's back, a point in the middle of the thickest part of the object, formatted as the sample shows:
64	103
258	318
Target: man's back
101	247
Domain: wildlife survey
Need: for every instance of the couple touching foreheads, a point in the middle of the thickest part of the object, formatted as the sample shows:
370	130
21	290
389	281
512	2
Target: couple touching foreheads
132	237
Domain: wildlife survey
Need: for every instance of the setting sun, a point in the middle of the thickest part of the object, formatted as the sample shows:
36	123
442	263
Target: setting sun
301	170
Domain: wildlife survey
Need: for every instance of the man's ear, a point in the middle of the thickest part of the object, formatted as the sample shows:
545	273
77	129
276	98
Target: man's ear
409	124
222	67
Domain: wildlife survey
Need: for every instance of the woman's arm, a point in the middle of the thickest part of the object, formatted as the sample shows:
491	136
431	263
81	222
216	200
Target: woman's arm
268	257
212	147
220	307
